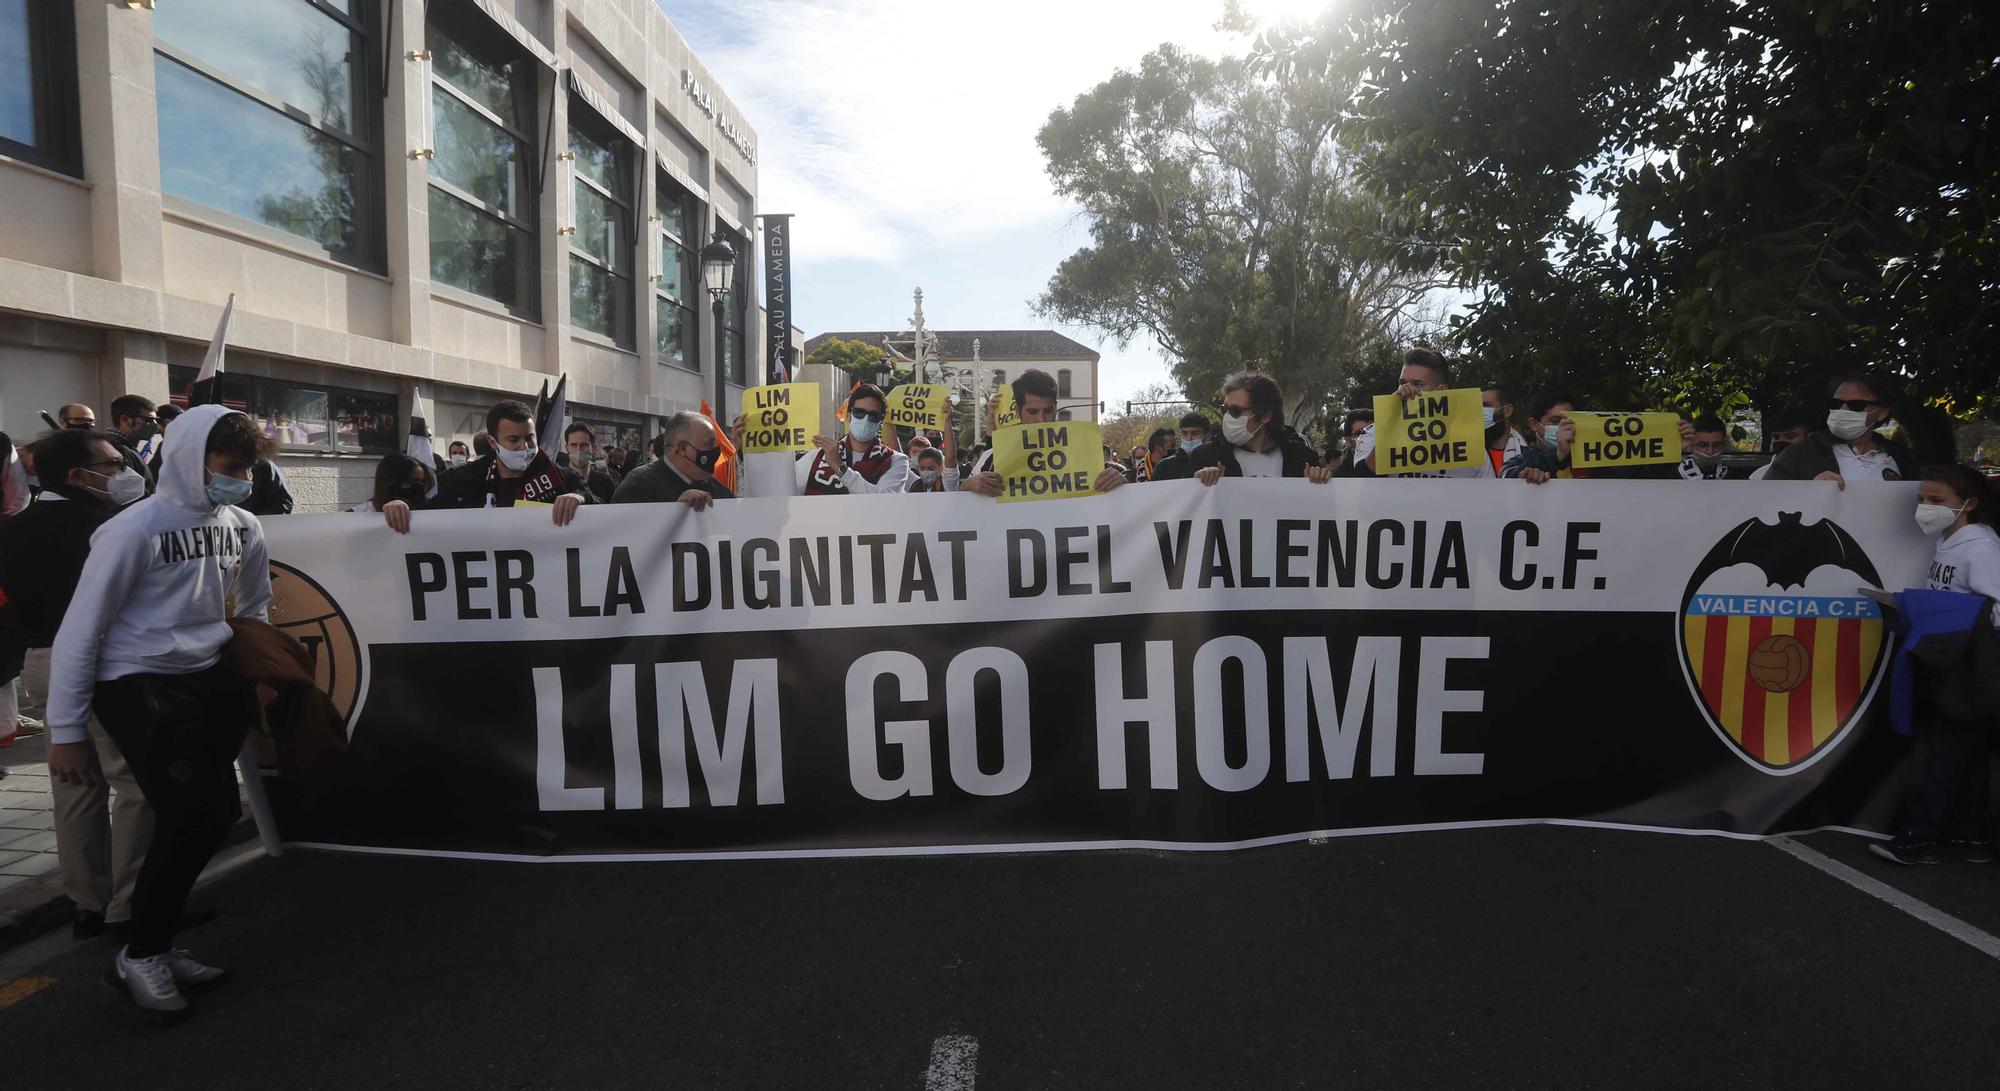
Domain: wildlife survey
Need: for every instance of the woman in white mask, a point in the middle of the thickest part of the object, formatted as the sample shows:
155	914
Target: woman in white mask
1849	449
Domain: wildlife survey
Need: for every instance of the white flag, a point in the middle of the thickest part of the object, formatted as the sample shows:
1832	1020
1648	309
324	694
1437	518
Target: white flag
211	365
419	444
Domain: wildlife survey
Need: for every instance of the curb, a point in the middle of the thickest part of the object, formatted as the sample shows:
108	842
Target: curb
33	910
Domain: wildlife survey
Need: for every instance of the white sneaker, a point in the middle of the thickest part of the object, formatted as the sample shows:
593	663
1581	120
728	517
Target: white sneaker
193	974
150	981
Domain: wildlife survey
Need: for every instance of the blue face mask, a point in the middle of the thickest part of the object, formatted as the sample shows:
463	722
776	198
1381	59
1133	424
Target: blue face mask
228	491
864	431
1189	446
1490	415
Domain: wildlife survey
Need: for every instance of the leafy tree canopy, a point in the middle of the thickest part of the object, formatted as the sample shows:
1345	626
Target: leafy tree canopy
1686	200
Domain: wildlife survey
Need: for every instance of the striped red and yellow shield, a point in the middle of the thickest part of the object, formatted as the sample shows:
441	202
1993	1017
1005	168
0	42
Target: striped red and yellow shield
1782	676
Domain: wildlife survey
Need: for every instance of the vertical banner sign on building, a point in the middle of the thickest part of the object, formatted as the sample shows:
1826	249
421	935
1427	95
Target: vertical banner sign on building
780	417
1625	439
919	405
1439	430
778	298
1054	461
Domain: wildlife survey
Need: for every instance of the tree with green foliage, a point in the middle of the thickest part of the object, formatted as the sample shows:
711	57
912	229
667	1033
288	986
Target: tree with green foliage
1227	225
864	362
1685	200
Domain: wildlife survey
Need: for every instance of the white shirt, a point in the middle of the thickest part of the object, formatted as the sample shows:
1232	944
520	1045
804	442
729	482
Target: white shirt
1876	465
1968	560
1269	463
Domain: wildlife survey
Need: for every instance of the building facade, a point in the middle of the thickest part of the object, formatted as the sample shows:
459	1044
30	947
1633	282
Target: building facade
1006	354
469	197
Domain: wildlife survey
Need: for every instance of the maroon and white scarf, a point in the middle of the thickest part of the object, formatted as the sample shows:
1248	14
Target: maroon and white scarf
541	483
871	466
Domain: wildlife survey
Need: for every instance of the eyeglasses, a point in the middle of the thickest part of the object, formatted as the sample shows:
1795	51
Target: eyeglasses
78	422
866	414
1858	405
106	462
1238	410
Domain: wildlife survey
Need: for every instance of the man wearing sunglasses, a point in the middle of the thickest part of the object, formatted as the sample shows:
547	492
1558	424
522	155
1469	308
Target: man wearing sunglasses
1256	442
858	462
1849	450
134	421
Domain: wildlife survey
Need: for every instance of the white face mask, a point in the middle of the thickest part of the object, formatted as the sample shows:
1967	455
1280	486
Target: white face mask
458	460
1237	430
123	487
1932	518
514	460
1847	425
930	477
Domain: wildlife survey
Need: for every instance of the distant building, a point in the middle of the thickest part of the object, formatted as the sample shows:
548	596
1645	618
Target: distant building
1006	354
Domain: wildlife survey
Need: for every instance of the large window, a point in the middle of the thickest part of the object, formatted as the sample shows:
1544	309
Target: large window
305	418
678	285
268	114
483	165
600	249
736	311
1062	383
38	119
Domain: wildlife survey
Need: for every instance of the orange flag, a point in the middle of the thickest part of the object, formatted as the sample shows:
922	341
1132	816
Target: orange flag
840	412
725	464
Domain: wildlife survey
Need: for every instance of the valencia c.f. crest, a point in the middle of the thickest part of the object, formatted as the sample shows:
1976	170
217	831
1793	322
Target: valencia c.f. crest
1781	649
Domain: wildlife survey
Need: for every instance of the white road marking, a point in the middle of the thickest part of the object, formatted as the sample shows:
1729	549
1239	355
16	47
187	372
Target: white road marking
1971	935
954	1063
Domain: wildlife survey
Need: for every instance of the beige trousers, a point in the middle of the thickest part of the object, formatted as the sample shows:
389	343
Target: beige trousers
102	830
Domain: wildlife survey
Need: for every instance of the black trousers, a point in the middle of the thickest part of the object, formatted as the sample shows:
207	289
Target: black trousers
1954	784
181	735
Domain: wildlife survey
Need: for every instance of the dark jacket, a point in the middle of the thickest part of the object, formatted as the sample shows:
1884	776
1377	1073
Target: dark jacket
130	453
659	483
269	495
1947	660
1174	467
1297	454
1813	456
602	484
465	487
41	561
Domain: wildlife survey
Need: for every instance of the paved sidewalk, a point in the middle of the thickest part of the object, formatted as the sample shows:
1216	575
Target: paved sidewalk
27	817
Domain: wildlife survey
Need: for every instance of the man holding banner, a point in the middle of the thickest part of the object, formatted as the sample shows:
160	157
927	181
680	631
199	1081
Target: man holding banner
858	462
517	471
1426	428
1033	401
684	473
1255	443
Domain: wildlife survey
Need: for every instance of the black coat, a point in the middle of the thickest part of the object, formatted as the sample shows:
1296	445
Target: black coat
1174	467
465	487
40	563
1297	454
1813	456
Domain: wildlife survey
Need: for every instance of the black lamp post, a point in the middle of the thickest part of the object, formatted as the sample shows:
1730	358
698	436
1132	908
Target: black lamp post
718	267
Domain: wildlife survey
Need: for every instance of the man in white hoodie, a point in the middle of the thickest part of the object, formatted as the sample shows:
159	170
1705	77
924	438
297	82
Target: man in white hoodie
142	646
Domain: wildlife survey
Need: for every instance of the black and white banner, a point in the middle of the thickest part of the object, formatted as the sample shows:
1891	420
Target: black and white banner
1168	665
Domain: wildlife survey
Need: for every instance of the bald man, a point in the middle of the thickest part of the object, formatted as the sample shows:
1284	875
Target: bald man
76	415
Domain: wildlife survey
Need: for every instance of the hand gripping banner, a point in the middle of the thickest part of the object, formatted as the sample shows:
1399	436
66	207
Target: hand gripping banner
1166	665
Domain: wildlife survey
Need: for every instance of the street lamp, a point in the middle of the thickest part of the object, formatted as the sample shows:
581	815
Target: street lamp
718	268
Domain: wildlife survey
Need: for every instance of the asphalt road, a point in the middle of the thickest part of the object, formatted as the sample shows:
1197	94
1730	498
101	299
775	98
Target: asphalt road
1537	957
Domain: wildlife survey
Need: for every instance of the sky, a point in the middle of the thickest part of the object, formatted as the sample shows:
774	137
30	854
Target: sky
901	134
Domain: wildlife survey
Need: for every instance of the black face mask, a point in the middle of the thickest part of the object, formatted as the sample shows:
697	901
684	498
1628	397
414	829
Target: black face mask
412	495
706	459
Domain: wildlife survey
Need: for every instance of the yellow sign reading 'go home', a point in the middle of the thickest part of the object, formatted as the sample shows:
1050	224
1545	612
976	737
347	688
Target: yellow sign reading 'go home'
1051	461
780	417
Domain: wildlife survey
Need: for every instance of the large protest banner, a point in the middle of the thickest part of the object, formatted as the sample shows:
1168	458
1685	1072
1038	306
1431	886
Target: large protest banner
1168	665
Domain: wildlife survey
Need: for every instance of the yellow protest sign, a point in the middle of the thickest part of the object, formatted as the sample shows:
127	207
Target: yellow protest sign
1439	430
1051	461
920	405
1003	408
1625	439
780	417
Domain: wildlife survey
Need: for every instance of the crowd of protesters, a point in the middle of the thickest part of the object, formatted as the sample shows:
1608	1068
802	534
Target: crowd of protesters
122	581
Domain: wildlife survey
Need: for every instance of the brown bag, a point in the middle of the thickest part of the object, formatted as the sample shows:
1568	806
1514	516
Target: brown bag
302	721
